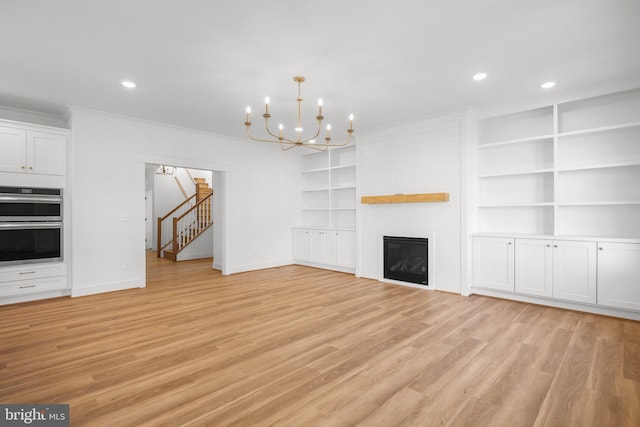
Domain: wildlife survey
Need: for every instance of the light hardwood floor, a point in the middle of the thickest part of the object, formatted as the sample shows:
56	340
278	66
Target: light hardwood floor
298	346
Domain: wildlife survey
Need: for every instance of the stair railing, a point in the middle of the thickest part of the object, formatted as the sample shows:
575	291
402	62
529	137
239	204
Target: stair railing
165	224
191	224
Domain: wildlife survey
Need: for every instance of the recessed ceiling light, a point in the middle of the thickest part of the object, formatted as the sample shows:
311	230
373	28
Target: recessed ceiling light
479	76
547	85
128	84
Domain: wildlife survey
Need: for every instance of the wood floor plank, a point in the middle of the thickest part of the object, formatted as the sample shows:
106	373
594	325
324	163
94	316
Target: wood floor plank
296	346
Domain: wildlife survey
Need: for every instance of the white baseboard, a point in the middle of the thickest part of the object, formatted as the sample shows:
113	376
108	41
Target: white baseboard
261	266
107	287
589	308
34	297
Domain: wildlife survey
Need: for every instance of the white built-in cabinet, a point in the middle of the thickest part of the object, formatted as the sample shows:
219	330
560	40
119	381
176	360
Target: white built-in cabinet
493	265
30	281
31	151
560	180
619	275
33	156
334	249
326	235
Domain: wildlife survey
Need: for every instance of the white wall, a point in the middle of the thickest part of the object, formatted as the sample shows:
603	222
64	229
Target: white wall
424	156
108	184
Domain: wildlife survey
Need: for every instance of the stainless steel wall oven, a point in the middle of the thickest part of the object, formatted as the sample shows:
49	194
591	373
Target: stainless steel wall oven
31	225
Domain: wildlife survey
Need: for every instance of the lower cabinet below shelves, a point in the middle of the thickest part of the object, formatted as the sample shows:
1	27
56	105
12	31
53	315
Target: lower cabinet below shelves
599	274
32	281
326	248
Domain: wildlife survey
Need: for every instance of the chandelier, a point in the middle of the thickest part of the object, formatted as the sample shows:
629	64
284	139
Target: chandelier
287	143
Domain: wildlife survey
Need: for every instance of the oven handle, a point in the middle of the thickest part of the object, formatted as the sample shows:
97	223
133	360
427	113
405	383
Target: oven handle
29	225
30	199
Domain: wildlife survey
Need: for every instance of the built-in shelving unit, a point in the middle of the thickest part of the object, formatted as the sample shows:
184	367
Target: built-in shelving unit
569	169
329	189
325	237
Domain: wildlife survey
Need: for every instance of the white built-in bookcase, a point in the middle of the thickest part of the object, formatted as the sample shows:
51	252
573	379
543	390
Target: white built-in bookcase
568	169
328	197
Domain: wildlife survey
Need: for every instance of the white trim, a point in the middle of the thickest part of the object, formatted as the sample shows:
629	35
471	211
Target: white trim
325	266
107	287
33	126
606	311
252	267
183	162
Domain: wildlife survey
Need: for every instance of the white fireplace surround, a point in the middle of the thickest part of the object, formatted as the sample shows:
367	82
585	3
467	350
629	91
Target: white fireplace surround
431	257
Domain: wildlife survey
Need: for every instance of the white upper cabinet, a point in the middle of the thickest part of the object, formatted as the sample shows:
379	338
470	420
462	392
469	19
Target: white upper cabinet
27	151
46	153
13	150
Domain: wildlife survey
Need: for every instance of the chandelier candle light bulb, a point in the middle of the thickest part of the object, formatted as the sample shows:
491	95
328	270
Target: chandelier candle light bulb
298	140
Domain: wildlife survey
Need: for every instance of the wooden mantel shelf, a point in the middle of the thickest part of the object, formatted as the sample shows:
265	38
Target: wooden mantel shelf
406	198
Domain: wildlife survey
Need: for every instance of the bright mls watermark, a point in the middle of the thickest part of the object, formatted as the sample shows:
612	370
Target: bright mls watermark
34	415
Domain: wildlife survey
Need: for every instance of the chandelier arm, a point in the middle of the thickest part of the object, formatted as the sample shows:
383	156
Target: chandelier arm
266	125
319	147
342	144
284	140
288	148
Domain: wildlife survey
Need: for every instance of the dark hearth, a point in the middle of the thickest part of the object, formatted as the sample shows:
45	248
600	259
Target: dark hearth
406	259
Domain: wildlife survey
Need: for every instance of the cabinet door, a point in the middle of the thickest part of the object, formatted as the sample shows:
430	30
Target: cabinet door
330	248
346	249
317	246
13	150
301	244
534	261
46	153
618	275
574	271
493	263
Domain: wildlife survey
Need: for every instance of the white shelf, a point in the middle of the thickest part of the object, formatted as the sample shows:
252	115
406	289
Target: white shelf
313	190
515	141
515	205
602	203
600	166
342	167
600	129
516	173
315	170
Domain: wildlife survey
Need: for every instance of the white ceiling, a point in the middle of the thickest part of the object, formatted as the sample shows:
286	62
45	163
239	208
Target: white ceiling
198	63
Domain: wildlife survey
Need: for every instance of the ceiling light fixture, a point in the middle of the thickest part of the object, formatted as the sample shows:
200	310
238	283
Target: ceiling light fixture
128	84
165	170
479	76
298	140
547	85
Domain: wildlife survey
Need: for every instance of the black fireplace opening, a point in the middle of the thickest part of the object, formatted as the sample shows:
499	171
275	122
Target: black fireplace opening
406	259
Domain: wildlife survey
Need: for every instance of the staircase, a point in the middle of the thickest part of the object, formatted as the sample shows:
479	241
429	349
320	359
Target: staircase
185	222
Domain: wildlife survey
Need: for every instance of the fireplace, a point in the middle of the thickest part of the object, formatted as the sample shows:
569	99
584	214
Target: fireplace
406	259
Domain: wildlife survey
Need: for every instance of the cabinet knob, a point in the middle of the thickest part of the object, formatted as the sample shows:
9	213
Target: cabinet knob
30	167
22	167
509	243
555	246
601	248
548	246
